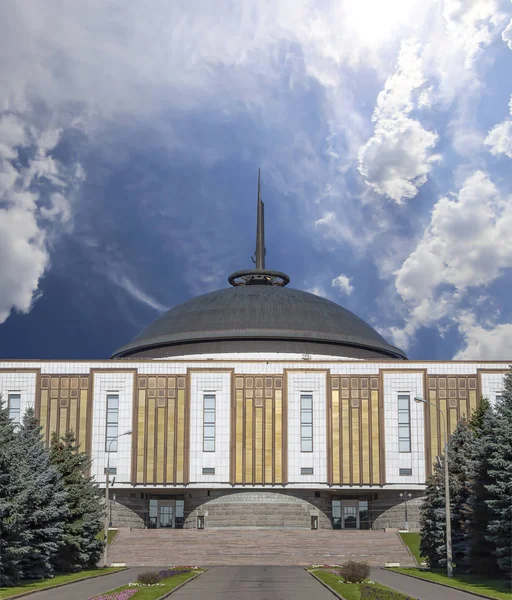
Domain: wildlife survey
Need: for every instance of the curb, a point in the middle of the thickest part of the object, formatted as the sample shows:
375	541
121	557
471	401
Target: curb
167	594
58	585
451	587
326	585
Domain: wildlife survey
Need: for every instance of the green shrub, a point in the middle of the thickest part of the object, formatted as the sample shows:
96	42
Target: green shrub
354	572
371	592
149	578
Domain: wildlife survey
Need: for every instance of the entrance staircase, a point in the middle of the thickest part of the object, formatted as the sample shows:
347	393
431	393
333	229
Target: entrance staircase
286	515
165	547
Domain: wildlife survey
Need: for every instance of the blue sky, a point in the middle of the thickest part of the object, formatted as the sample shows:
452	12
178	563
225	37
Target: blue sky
131	134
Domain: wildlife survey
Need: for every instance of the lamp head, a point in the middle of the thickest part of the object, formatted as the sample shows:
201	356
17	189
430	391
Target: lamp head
419	400
127	432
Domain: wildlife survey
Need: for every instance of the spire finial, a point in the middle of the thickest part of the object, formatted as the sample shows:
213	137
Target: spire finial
260	230
260	275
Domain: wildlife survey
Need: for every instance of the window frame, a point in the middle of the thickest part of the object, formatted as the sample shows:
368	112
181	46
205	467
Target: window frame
16	422
210	424
110	424
304	423
407	424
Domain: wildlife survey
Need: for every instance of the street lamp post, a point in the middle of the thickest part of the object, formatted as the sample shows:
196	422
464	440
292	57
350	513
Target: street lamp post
449	559
406	496
107	498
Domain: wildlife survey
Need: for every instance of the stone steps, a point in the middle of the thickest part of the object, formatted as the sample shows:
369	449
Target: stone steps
158	547
292	515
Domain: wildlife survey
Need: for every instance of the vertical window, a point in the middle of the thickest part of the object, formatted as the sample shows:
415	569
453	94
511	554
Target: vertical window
14	406
404	422
306	423
208	423
112	422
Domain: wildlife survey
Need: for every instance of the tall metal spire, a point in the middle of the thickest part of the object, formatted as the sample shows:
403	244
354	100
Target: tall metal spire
260	230
260	275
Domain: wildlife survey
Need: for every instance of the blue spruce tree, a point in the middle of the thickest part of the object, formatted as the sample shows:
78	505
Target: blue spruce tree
80	548
11	525
499	445
42	501
461	470
481	556
433	520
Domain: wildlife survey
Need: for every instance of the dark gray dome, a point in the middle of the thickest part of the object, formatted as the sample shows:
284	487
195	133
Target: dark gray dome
259	318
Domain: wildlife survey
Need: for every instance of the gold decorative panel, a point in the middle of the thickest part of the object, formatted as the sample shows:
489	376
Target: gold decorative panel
259	430
161	414
355	418
456	396
63	405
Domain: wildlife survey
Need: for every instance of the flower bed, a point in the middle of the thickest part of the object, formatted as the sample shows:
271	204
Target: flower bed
366	590
123	595
151	585
370	592
157	577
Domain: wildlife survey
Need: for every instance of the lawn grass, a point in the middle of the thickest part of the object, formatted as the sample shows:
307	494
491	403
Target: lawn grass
493	588
32	586
152	593
110	536
412	541
349	591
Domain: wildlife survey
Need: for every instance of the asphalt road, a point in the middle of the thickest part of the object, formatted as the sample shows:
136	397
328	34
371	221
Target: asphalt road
83	590
417	588
254	583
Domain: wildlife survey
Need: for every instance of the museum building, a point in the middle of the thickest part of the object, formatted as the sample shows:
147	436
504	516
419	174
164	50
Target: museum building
258	405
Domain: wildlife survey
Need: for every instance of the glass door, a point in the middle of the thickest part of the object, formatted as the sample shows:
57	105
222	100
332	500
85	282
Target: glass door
350	514
165	514
350	517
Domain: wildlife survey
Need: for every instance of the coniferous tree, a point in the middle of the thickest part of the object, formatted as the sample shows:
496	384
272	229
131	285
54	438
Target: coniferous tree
481	557
432	520
42	501
80	548
461	469
499	444
476	422
10	524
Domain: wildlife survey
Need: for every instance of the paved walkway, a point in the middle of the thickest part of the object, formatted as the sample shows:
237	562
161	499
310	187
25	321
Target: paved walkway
83	590
254	583
417	588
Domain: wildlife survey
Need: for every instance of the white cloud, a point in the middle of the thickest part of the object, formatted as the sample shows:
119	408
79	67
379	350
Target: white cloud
459	246
331	227
472	25
506	36
24	258
317	290
484	343
397	159
500	137
343	283
23	241
458	251
136	292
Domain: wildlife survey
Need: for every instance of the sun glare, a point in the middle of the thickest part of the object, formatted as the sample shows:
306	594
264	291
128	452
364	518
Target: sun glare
377	21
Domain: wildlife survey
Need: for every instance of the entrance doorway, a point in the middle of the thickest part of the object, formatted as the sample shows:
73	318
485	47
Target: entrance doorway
165	513
350	514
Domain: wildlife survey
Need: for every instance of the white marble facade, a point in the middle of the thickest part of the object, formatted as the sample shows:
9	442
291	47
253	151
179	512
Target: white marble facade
212	375
217	385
